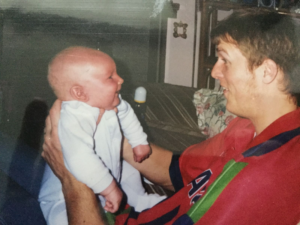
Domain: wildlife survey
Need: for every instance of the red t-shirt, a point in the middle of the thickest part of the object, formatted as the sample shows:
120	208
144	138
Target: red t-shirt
222	183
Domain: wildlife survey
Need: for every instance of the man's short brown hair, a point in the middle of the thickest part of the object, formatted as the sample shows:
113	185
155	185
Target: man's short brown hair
260	35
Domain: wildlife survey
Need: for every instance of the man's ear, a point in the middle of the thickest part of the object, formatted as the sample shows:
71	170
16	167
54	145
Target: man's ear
77	92
270	71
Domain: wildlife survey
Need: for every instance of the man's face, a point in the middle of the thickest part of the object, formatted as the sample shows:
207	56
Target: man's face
238	82
103	83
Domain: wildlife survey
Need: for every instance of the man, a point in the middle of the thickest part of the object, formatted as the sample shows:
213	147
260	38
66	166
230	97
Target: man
249	173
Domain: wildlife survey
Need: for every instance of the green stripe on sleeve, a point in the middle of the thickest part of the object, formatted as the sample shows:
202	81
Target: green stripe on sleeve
230	170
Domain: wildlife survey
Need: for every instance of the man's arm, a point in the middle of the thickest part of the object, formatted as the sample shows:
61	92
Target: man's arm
155	168
81	203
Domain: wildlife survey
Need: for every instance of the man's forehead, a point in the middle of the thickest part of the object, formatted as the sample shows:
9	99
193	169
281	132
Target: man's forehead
223	49
227	47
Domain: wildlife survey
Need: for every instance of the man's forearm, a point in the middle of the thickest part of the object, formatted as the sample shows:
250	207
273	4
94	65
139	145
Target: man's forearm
81	202
155	168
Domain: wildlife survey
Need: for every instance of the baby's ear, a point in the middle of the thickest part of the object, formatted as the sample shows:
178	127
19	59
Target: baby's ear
77	92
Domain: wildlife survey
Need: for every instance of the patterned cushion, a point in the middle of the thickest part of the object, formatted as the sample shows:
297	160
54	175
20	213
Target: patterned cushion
213	117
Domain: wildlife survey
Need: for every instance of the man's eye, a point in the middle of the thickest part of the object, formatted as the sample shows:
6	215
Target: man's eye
224	61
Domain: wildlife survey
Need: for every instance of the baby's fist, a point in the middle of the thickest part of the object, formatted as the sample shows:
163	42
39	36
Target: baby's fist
141	152
113	196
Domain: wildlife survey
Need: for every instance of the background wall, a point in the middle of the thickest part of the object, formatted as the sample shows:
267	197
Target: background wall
34	31
179	67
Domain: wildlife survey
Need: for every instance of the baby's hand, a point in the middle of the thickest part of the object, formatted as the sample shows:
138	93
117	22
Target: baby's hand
141	152
113	196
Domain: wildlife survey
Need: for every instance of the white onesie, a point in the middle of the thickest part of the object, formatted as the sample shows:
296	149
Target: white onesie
92	154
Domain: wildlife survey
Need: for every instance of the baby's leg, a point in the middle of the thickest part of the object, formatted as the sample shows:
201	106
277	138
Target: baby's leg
131	184
55	212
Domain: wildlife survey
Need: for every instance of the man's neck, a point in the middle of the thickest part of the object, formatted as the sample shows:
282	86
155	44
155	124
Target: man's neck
271	110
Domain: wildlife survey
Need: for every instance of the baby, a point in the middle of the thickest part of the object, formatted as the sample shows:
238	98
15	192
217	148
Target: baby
86	81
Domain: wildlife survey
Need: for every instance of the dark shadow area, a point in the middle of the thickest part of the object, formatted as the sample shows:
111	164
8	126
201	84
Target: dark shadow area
26	169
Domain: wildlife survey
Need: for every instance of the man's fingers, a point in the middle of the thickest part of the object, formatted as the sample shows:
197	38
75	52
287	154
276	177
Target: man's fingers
51	140
43	154
47	128
55	114
56	106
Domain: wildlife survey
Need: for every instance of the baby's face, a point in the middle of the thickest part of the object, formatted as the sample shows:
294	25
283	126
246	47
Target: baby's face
103	84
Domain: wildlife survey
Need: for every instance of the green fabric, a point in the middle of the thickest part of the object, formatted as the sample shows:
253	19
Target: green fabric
111	217
230	170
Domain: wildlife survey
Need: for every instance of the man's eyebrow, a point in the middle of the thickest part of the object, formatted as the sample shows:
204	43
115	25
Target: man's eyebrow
220	49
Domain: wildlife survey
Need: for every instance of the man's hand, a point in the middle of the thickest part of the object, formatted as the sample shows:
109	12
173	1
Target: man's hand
113	196
51	148
141	152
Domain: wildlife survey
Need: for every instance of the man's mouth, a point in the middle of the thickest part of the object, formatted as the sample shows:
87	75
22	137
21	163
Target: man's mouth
223	90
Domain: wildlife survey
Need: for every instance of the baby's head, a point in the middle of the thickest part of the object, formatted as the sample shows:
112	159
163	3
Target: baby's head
86	75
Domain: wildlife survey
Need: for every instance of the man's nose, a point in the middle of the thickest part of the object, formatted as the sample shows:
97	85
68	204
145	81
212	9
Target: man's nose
217	71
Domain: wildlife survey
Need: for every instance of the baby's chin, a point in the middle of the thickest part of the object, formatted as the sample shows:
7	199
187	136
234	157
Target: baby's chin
110	108
113	107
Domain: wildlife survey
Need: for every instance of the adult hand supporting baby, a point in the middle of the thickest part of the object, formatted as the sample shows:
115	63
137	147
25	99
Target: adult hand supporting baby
81	203
51	148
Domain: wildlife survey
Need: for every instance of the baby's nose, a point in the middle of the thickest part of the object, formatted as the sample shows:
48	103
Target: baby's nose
120	80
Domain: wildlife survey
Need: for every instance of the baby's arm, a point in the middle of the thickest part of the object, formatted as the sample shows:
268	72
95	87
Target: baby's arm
113	196
76	130
133	131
